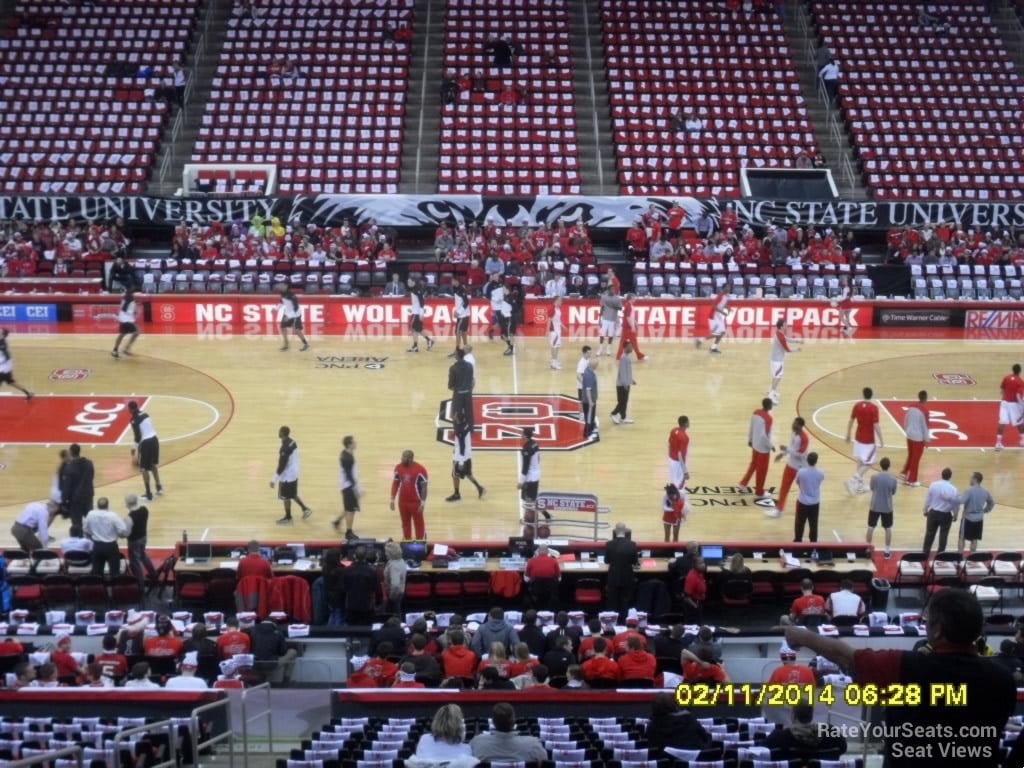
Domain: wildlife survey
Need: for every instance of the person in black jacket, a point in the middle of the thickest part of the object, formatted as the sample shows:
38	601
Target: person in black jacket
671	726
334	587
562	629
803	736
361	585
532	635
390	632
270	650
560	658
77	489
620	555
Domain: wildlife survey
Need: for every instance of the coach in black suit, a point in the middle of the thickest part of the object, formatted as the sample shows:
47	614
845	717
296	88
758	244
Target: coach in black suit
77	489
620	555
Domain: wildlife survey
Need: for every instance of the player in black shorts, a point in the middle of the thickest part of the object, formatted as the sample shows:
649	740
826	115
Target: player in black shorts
7	366
291	318
348	481
127	324
147	448
462	458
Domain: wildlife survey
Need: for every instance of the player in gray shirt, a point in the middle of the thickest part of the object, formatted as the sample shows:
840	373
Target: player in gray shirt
808	501
976	502
611	303
883	488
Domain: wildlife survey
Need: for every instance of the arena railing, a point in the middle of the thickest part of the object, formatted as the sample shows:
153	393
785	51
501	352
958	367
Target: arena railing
247	718
227	735
59	754
172	741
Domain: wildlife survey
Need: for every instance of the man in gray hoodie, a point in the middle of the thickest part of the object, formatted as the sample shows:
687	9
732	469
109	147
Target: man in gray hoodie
495	629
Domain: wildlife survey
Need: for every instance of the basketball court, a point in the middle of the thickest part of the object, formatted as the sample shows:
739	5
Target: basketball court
217	396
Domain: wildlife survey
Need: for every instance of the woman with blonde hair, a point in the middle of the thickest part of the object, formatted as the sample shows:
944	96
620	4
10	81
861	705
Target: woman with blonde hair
446	740
394	576
736	566
497	659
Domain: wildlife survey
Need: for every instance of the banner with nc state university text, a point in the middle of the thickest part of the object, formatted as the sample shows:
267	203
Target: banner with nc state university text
428	210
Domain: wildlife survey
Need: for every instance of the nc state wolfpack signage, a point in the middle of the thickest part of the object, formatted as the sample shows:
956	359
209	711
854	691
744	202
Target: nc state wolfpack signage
613	212
498	422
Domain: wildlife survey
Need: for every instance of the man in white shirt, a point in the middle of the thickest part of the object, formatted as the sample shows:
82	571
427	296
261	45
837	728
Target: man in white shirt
104	527
829	75
845	602
940	508
76	542
187	680
915	426
31	528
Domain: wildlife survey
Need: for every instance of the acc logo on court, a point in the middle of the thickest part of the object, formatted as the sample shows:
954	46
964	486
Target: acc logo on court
955	379
69	374
498	422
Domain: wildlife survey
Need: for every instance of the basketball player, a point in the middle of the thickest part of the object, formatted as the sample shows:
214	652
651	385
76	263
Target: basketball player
462	459
287	476
582	365
759	438
679	453
418	297
7	366
348	481
461	314
915	427
629	329
409	488
555	328
845	303
610	306
291	318
674	509
866	442
529	476
1011	405
461	380
719	313
147	448
126	323
782	343
501	310
796	458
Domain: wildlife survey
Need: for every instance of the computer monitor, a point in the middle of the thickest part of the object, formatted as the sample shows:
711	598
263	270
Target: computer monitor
713	554
520	546
199	551
299	548
415	551
267	553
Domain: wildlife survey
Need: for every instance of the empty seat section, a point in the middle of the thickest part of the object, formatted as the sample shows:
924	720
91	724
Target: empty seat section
511	130
316	88
729	73
80	81
933	105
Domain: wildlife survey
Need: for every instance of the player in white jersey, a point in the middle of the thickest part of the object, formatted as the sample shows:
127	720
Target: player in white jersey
7	366
461	314
126	324
716	323
782	343
291	318
462	458
417	295
555	328
611	305
845	303
146	453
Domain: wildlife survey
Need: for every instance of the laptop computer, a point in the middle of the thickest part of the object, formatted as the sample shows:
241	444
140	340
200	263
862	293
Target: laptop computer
199	552
825	557
713	554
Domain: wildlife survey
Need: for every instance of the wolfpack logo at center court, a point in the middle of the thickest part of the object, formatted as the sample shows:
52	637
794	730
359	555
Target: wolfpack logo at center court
498	422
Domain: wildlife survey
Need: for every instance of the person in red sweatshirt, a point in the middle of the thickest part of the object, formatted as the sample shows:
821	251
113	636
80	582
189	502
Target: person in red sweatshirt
166	642
409	489
359	678
458	660
253	564
380	667
523	661
63	660
407	677
599	665
629	328
636	663
112	664
232	640
620	644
